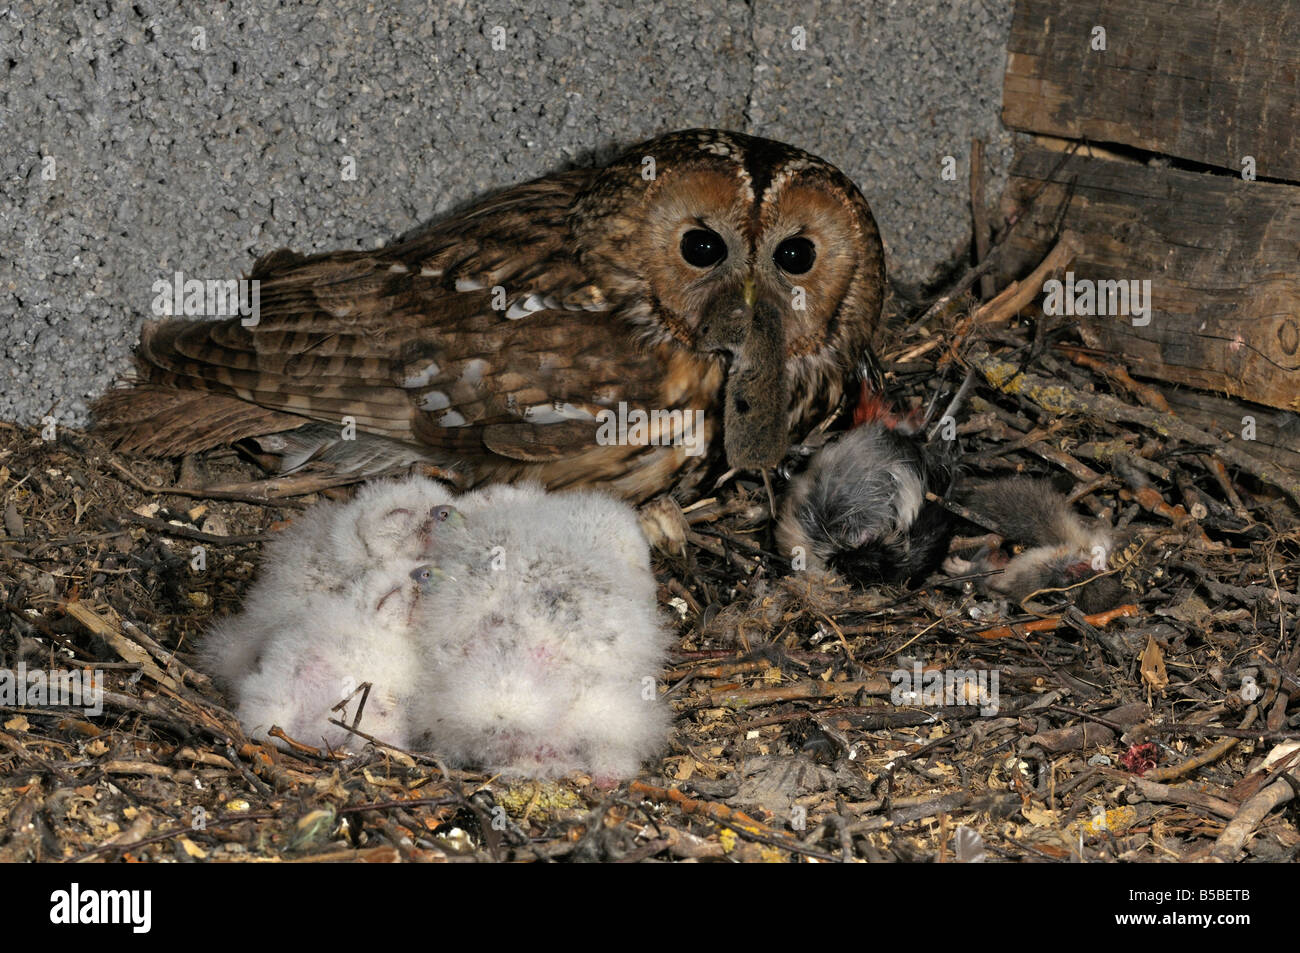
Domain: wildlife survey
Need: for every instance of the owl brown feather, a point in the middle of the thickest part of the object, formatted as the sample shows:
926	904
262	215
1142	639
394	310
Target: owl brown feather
491	342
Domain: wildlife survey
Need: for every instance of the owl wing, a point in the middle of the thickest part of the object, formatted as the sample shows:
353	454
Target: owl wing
479	336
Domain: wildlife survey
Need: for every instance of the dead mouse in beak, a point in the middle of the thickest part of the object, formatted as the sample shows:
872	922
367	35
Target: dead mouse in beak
757	393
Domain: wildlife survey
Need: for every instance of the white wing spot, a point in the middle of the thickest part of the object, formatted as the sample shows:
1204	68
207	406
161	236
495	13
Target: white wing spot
473	372
451	419
717	147
555	413
434	400
521	309
421	377
469	284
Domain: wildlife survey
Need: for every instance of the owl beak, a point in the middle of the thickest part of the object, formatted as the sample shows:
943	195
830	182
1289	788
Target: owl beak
749	292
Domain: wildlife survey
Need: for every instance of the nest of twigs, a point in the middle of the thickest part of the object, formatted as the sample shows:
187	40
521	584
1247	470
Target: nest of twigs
1165	729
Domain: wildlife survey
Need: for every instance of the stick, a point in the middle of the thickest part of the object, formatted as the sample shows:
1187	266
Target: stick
799	690
1056	397
979	215
1019	630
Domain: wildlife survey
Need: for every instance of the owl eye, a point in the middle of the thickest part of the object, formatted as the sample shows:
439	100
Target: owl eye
703	248
795	255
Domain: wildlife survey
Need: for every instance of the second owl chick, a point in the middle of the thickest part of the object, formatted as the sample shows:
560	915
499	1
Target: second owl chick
325	551
326	648
540	639
329	611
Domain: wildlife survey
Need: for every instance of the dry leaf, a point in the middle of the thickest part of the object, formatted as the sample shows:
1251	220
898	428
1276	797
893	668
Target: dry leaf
1041	818
193	849
1153	666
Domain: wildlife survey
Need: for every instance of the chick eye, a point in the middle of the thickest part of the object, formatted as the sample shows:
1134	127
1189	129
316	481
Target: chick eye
443	513
703	248
795	255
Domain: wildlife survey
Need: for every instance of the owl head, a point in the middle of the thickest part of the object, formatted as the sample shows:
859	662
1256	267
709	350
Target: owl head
747	251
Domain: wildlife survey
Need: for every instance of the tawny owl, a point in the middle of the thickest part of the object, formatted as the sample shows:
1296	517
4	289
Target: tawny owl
724	286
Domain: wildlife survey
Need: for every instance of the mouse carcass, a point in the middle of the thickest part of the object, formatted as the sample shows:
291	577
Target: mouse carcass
860	507
1061	551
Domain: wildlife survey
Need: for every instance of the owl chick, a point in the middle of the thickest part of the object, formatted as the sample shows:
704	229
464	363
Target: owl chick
539	637
860	506
324	552
324	650
1063	551
703	276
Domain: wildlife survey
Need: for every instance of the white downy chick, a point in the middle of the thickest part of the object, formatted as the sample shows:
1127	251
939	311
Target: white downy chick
859	507
331	608
540	637
1063	550
325	550
327	647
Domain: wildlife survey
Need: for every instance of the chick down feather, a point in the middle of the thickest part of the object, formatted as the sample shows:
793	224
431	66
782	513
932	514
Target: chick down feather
541	643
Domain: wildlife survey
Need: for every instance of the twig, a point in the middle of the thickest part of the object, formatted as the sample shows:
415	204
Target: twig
185	532
796	692
209	494
1019	630
1229	845
979	215
1057	397
738	821
1210	755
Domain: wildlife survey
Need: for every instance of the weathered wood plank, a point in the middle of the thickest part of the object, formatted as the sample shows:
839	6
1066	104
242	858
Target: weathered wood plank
1197	79
1275	435
1222	257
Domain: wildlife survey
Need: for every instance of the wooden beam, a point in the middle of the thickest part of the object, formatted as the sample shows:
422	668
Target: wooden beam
1203	80
1220	255
1276	434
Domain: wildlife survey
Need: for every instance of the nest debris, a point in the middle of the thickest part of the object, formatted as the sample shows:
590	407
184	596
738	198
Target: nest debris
1163	730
